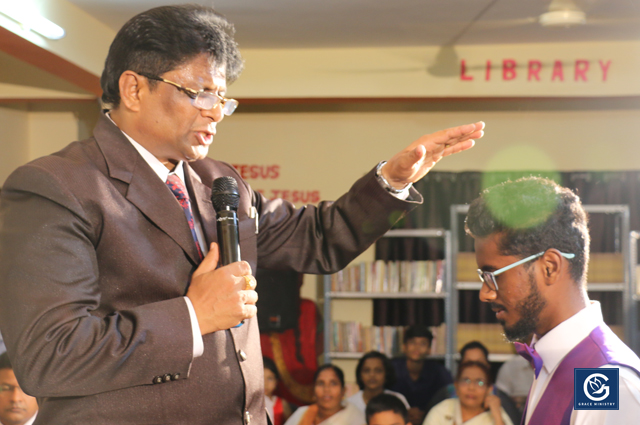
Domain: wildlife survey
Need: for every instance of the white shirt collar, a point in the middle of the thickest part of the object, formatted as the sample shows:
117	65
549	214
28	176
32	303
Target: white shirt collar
557	343
155	164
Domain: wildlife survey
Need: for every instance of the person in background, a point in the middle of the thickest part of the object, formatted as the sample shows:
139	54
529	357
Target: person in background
386	409
278	408
329	408
2	347
16	407
475	405
476	351
532	248
417	378
374	375
515	378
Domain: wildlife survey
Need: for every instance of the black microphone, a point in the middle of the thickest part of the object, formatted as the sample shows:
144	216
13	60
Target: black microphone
225	199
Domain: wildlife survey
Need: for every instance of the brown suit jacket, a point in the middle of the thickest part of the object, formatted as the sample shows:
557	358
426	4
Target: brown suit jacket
96	255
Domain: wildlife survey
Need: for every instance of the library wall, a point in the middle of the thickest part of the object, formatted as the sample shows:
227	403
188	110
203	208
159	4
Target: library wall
14	132
31	130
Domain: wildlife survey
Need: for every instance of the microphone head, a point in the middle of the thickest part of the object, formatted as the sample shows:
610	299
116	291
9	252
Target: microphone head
224	194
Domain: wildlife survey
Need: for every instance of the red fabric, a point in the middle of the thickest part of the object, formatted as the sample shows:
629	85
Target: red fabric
299	389
278	412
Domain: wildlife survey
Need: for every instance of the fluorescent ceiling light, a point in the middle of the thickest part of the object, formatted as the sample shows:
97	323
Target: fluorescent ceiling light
29	20
562	18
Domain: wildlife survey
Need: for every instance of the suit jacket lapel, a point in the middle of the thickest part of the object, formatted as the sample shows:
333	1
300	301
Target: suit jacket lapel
146	191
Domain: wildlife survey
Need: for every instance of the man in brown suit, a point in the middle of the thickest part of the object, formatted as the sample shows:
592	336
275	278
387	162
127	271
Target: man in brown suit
106	308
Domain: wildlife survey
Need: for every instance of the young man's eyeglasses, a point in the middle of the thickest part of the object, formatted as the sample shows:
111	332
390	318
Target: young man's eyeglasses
490	277
201	99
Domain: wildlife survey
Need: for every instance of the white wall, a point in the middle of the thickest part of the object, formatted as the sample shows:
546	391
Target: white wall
27	134
50	131
14	133
327	151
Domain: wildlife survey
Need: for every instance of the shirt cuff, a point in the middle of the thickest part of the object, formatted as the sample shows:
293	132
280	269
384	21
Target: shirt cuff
198	344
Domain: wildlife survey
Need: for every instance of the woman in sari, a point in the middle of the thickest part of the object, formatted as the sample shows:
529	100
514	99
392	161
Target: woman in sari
329	408
475	405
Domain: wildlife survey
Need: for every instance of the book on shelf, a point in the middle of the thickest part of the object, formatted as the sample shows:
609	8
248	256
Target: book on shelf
391	277
353	337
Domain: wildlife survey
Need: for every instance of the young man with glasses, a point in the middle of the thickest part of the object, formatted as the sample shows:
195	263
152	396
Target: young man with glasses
112	301
532	250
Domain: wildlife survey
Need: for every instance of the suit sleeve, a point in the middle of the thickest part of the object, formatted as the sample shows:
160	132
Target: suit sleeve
326	238
49	281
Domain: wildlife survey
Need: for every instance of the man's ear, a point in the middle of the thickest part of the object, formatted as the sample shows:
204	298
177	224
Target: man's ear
130	85
552	263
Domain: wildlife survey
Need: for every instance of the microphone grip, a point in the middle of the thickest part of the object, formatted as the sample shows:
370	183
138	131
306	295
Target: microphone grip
228	239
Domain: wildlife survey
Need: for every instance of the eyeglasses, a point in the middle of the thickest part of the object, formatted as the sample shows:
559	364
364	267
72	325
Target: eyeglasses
201	99
490	277
468	382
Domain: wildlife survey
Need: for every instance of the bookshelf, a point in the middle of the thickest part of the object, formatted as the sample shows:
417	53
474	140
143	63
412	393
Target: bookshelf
634	275
434	282
608	272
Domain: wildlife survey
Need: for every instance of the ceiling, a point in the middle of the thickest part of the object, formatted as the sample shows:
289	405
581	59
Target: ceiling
368	23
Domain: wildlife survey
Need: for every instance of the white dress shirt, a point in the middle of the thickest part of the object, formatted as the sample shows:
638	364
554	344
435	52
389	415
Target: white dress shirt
556	344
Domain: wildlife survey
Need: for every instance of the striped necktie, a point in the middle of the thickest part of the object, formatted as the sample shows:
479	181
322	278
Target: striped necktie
180	192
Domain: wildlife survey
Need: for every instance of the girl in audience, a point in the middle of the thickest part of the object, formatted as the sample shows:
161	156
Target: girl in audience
278	407
374	374
475	405
329	408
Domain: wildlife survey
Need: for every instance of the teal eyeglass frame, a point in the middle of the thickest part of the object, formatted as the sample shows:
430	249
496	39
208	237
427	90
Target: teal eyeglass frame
490	277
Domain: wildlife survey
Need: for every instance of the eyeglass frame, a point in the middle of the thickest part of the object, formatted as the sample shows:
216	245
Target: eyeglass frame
480	383
195	95
492	275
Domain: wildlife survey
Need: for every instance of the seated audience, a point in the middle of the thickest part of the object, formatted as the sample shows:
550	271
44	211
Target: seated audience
278	408
417	378
16	408
475	405
329	408
386	409
476	351
374	374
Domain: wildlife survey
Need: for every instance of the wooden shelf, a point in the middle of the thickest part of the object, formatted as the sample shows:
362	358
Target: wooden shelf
599	287
496	358
356	356
386	295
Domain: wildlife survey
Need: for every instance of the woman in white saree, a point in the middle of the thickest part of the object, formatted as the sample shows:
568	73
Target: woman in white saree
475	405
329	408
